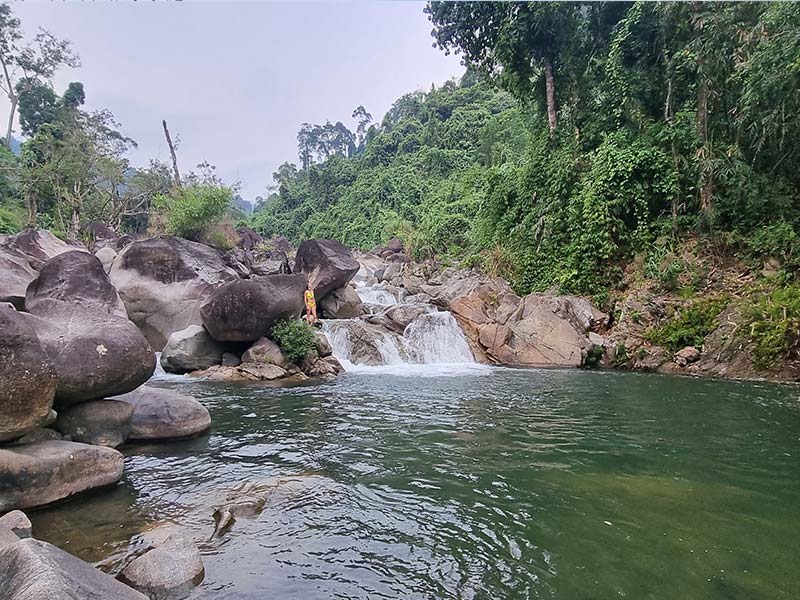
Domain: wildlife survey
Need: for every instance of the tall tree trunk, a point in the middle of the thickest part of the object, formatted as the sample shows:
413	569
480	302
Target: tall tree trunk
14	99
669	118
174	157
75	222
706	183
30	204
550	85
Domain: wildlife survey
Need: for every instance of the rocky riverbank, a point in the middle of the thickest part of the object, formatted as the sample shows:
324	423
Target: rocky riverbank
80	328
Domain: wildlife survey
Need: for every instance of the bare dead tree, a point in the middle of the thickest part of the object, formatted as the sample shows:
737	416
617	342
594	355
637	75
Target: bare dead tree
174	157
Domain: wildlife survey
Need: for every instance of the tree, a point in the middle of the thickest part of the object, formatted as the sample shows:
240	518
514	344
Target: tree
28	66
79	162
363	118
520	42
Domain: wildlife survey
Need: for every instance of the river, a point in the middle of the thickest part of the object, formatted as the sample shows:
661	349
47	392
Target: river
470	482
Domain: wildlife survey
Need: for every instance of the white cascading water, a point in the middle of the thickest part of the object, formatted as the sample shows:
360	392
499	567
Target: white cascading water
433	343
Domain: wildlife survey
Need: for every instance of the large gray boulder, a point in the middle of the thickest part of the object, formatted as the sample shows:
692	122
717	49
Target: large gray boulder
97	422
245	310
21	257
328	264
167	572
41	473
343	303
27	381
164	280
84	330
190	349
35	570
164	414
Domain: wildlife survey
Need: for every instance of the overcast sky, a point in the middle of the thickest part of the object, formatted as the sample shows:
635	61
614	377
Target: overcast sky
234	80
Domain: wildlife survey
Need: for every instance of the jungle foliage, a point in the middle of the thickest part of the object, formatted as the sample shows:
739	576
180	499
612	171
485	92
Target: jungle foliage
580	134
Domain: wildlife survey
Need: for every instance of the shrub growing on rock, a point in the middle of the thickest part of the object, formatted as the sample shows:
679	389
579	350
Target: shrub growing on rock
189	212
295	337
690	326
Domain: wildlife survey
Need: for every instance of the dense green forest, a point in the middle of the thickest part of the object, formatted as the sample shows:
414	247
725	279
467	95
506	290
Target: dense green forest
582	133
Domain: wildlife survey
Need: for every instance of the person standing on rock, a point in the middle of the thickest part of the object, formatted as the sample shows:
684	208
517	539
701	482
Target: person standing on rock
311	305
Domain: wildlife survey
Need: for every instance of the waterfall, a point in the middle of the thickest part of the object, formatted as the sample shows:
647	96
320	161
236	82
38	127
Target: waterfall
437	338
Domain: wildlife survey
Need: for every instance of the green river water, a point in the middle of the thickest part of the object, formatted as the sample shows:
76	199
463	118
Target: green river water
473	483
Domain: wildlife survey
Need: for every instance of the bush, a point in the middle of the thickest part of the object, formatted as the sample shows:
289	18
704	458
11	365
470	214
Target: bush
690	326
11	220
189	212
295	337
774	324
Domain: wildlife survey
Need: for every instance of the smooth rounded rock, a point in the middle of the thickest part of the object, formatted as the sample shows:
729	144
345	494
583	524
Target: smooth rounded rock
164	414
164	280
35	570
41	473
190	349
328	264
167	572
97	422
27	381
266	351
245	310
85	332
343	303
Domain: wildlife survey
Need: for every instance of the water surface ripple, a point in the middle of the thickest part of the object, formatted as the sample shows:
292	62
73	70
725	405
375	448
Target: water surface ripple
484	484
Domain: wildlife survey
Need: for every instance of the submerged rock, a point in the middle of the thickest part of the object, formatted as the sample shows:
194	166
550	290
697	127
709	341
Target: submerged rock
167	572
97	422
327	263
41	473
190	349
245	310
164	414
84	330
35	570
164	280
27	381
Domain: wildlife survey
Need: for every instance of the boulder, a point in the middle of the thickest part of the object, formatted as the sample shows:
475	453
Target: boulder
248	371
322	367
538	330
41	473
343	303
167	572
35	570
40	434
686	356
84	330
18	522
21	256
229	359
27	381
7	537
266	351
327	263
245	310
73	280
367	343
106	255
322	345
164	280
100	236
398	316
164	414
97	422
190	349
